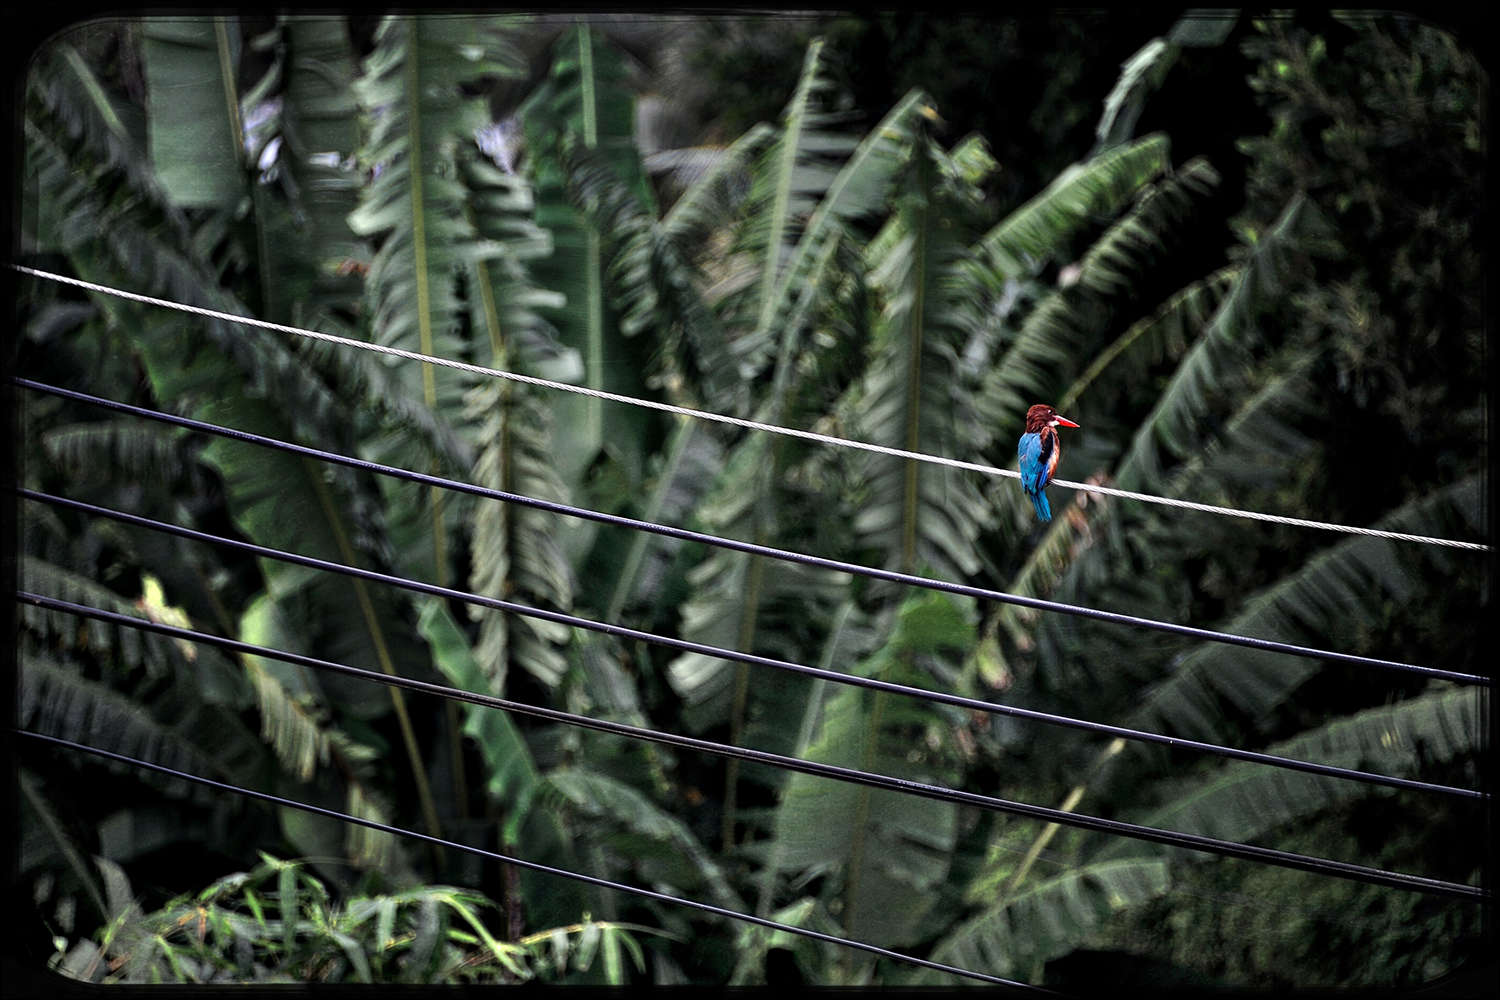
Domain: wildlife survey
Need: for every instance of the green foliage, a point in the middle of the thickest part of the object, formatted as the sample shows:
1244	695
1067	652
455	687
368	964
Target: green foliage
1425	731
583	109
193	111
1026	929
895	849
869	279
1266	926
279	924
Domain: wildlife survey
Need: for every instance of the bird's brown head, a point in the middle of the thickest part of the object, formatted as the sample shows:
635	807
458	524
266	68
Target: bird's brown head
1040	416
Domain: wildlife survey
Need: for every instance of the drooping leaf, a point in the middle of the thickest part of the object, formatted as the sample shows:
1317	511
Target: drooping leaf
194	109
1347	582
1046	920
1243	801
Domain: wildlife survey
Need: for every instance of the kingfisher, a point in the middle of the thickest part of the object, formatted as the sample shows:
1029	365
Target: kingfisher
1039	451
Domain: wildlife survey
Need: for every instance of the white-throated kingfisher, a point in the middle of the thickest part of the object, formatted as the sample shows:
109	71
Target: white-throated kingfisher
1039	451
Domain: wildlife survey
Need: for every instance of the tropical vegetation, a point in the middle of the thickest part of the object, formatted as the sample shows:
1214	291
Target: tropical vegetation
478	189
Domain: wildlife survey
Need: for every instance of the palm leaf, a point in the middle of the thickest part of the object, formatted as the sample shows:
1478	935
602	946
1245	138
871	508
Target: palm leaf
305	137
862	187
1068	323
789	181
692	460
1046	920
670	853
654	283
517	551
1351	581
413	87
1242	802
1147	70
740	601
1220	355
894	850
512	778
193	109
121	450
204	667
584	109
1163	336
1099	187
917	395
716	194
57	701
1091	518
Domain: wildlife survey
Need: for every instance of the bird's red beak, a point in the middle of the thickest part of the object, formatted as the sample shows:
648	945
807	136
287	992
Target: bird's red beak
1064	421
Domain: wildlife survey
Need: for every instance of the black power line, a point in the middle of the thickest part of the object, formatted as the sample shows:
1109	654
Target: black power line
1267	645
684	645
1171	838
534	866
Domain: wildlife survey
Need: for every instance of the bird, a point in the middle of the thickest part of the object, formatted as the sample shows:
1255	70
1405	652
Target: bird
1039	451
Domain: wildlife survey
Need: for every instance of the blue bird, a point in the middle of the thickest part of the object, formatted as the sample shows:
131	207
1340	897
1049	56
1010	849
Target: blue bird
1039	451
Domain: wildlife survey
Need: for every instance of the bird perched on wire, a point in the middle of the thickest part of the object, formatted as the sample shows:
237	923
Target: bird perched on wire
1039	451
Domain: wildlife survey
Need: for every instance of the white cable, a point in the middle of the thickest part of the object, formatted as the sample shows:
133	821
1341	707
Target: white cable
754	425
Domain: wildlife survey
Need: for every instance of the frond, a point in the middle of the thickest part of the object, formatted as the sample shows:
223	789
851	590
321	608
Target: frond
583	112
862	187
204	667
517	551
412	88
1099	187
303	133
1242	802
917	393
87	117
1046	920
1134	242
1219	358
121	450
788	182
716	194
744	602
691	462
109	233
906	843
1349	582
57	701
1163	336
656	286
1067	324
45	845
193	111
670	854
1141	74
512	779
1114	548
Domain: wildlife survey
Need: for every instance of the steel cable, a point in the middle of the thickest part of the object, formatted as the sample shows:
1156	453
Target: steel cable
906	579
535	866
684	645
1170	838
737	421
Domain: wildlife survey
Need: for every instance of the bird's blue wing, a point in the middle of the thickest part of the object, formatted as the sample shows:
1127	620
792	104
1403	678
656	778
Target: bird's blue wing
1033	463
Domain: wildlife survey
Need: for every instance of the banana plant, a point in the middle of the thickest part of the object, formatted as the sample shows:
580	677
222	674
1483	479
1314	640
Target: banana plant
885	857
792	232
412	88
584	109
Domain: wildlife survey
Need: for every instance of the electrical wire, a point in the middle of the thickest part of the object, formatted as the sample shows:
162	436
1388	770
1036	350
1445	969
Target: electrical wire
755	425
1170	838
506	859
752	548
684	645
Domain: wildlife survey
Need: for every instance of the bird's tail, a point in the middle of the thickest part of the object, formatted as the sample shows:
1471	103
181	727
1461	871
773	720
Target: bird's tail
1043	508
